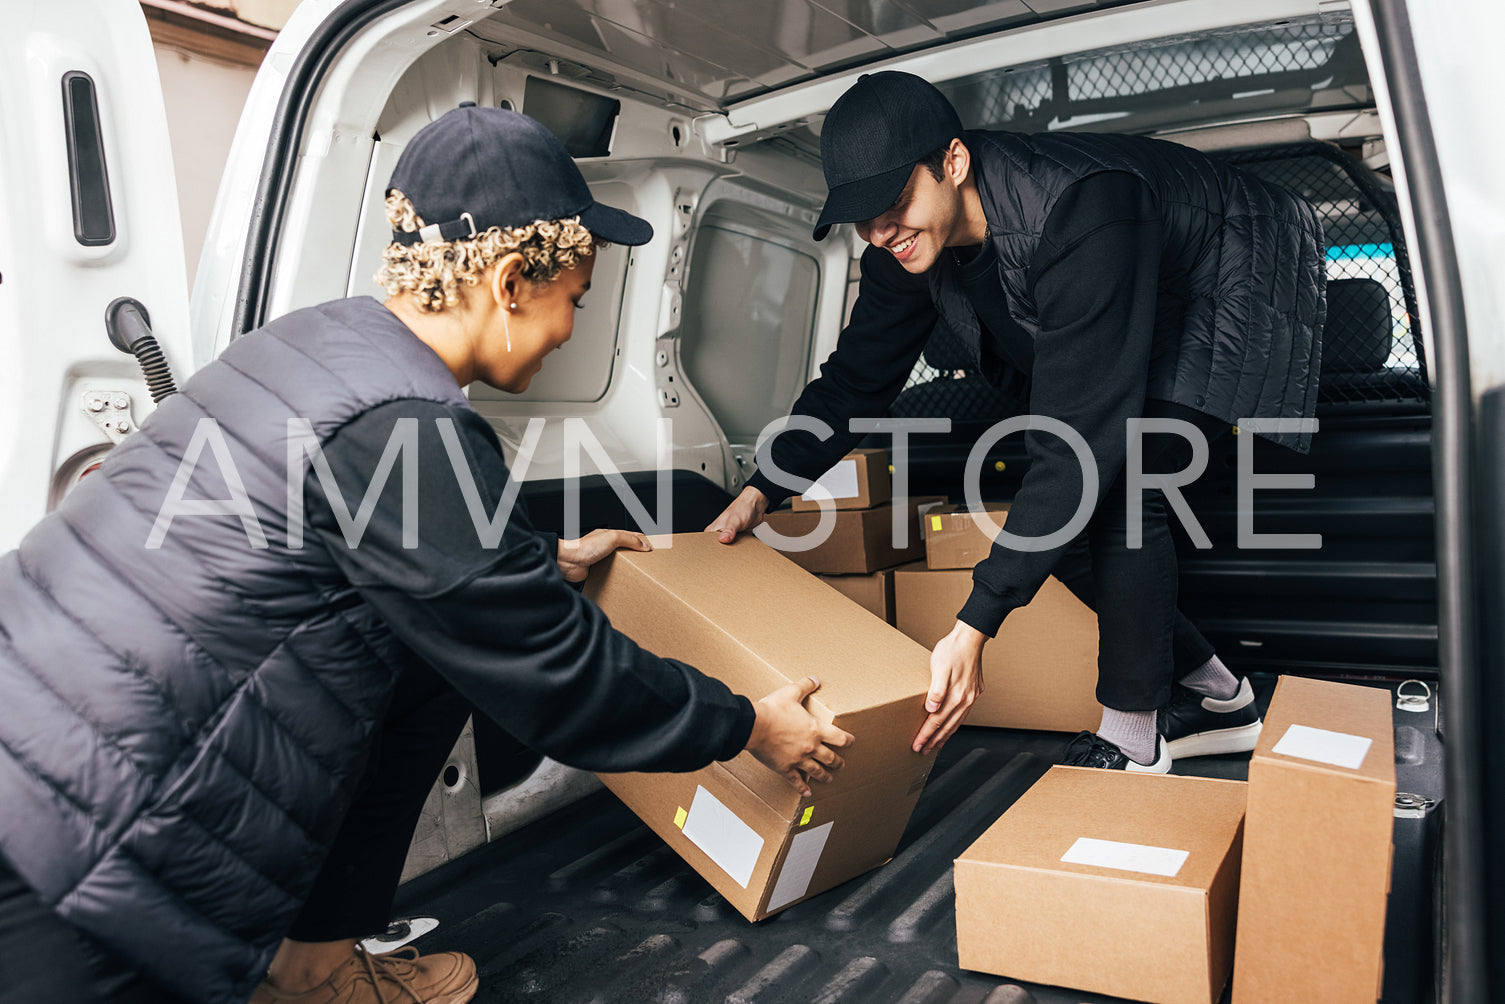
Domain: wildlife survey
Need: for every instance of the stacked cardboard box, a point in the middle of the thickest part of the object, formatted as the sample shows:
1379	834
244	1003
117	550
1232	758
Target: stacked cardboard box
873	592
1317	846
754	620
1110	882
870	532
860	480
958	537
1041	670
1283	881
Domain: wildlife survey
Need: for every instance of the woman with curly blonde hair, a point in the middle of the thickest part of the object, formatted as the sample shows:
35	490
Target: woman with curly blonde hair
425	277
245	735
433	272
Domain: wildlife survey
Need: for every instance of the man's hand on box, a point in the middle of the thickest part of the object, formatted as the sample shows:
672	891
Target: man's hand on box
789	739
955	682
577	556
745	512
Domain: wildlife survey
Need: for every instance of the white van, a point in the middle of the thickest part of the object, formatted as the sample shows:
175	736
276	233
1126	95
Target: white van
703	116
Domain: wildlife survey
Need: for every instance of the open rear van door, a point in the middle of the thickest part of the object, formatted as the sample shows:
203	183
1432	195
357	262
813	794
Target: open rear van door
1433	70
88	219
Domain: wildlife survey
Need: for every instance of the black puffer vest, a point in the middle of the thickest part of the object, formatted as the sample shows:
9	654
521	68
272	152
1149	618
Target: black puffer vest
181	726
1242	291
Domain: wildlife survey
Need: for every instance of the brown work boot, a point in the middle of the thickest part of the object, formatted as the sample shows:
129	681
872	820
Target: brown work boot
401	977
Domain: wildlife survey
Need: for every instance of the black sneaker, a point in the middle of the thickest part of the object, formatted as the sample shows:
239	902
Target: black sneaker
1194	725
1089	749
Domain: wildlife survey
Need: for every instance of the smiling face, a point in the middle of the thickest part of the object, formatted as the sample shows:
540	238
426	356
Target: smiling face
929	215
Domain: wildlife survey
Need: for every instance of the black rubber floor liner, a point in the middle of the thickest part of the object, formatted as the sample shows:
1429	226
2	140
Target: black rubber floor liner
589	907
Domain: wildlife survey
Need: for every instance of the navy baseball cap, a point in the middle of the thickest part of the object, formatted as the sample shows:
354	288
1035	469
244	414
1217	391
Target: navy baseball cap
874	135
475	168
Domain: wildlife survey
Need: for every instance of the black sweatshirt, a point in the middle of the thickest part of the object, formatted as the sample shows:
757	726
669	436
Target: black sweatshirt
1093	281
500	623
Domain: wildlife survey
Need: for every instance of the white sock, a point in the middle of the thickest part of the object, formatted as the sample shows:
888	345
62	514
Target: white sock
1133	732
1212	679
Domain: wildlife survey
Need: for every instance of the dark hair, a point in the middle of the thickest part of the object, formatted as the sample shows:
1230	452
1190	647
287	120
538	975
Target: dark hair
935	162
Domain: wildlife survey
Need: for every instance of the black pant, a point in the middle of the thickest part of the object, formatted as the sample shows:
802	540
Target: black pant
352	896
1144	641
45	960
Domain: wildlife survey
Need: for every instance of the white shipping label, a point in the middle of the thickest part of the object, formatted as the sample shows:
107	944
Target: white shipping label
1126	857
840	481
724	837
1337	748
799	866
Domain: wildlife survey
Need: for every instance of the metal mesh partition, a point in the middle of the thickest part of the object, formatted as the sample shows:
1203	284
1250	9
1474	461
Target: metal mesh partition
1304	64
1371	346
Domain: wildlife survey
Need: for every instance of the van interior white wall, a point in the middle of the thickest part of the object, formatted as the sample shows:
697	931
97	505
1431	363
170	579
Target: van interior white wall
336	228
398	77
750	308
203	98
622	419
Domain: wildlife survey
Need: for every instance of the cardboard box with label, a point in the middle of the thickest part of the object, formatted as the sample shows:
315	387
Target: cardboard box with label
1040	672
756	621
1317	846
957	537
873	592
861	540
1109	882
860	480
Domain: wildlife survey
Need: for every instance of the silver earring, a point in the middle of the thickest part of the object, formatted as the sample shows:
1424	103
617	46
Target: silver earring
507	331
512	305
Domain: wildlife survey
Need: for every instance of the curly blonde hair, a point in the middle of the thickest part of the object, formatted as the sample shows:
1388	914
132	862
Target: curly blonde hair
432	271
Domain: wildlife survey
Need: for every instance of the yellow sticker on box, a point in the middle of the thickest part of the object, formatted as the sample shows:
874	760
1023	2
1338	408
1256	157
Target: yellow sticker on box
935	522
680	815
809	811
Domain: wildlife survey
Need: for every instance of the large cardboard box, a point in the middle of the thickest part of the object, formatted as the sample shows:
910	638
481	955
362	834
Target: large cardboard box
860	480
1317	846
1040	672
873	592
1110	882
753	619
957	537
861	540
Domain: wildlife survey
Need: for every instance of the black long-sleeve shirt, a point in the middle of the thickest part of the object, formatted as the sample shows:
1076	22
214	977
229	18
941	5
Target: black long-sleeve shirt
1093	281
500	623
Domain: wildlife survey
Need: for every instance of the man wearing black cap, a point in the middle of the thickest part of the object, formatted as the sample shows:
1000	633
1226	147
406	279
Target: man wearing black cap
216	733
1100	279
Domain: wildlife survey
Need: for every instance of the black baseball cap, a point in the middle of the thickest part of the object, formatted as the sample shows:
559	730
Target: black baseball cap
874	135
475	168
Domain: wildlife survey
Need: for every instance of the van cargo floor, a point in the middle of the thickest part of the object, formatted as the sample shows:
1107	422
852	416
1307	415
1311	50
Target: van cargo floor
588	906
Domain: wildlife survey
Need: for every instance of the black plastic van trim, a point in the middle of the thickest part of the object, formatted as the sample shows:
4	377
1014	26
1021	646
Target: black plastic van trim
88	173
1490	444
303	80
1469	846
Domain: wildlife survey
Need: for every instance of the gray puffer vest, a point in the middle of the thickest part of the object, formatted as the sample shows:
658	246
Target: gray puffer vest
1242	293
181	727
